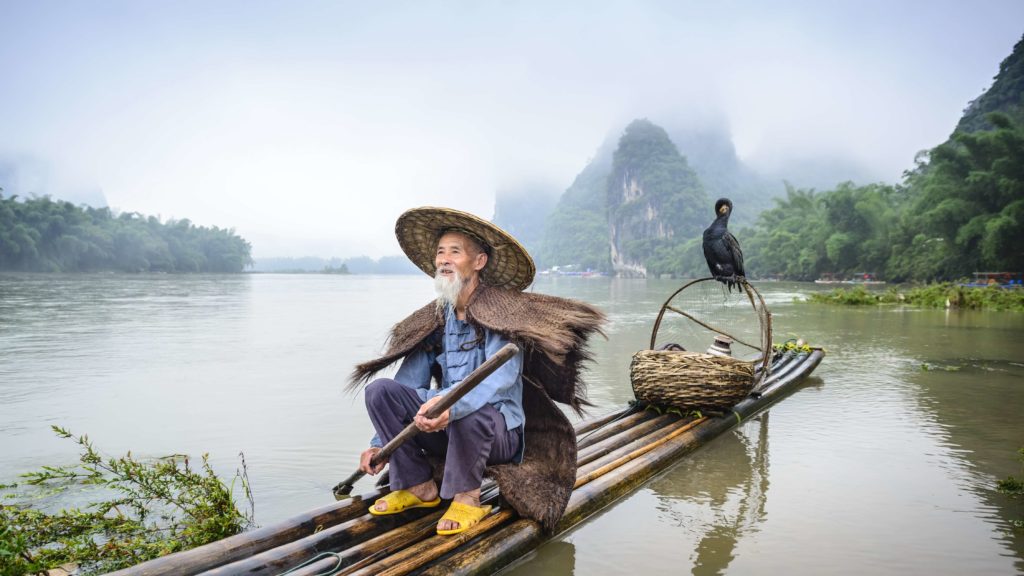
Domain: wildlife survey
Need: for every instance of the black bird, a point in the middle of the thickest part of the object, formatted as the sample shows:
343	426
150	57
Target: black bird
721	250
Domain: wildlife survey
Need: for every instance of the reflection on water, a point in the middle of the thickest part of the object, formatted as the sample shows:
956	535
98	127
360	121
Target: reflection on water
885	464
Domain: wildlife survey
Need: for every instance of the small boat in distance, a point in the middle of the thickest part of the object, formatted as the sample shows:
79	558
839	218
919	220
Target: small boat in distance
862	278
998	279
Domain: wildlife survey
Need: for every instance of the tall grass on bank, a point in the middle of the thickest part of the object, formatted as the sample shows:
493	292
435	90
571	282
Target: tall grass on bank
943	295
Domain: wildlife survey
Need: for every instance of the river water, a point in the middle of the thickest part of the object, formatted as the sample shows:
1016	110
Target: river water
875	465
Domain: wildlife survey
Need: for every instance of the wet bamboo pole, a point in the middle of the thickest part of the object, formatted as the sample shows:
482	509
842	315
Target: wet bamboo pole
356	557
588	424
253	542
426	551
612	429
595	451
633	451
340	537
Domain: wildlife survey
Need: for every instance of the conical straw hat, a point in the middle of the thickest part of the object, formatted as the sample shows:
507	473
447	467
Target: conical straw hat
508	263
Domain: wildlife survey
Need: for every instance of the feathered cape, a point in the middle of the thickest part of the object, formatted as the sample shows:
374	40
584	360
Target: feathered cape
553	333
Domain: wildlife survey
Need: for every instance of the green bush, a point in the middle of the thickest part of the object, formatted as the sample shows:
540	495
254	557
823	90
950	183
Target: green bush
156	507
942	295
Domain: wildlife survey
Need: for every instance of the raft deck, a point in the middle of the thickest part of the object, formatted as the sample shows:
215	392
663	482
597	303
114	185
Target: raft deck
617	453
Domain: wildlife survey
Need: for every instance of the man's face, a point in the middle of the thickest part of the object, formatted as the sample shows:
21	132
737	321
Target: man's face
455	252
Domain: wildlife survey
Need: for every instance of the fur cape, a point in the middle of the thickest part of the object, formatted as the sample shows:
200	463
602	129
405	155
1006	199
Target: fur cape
552	332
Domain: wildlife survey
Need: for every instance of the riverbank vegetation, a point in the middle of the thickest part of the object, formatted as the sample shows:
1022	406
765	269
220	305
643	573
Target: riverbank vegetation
154	507
941	295
45	235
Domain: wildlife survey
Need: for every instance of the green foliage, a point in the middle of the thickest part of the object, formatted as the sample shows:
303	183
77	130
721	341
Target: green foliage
1003	96
961	212
790	239
43	235
155	508
969	203
941	295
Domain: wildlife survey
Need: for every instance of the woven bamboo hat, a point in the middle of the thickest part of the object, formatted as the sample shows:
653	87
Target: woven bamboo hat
508	263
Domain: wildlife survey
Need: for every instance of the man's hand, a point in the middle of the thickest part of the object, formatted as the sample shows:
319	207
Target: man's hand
431	425
364	461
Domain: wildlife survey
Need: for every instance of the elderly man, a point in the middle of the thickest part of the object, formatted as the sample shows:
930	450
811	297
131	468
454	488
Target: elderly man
479	273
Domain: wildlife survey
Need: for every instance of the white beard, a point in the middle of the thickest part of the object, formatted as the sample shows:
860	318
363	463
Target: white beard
448	289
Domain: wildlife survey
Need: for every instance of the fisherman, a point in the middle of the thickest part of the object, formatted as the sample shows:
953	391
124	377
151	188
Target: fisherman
508	423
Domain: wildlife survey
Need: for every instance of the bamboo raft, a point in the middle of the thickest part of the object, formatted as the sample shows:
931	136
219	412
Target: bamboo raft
618	452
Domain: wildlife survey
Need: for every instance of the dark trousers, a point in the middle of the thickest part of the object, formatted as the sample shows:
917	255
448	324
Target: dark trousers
468	445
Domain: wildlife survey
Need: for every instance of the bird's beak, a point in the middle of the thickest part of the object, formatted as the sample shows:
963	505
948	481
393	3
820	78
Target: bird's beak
723	209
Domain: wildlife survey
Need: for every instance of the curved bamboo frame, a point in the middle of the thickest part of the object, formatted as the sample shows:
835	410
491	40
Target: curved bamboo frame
766	326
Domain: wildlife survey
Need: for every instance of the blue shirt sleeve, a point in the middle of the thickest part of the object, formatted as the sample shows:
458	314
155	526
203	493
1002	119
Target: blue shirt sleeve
414	373
501	380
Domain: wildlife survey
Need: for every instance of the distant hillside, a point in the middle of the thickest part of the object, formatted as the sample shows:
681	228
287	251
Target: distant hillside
712	155
576	231
655	199
522	211
1006	95
357	265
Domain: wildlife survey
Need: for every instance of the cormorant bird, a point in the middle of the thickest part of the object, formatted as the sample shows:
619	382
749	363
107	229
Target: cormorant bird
721	250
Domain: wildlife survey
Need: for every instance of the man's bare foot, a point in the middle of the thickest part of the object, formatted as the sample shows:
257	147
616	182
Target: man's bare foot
425	492
472	498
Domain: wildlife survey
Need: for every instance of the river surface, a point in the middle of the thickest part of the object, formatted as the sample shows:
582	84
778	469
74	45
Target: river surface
874	466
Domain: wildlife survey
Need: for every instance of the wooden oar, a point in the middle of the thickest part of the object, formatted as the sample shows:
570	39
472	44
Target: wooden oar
344	488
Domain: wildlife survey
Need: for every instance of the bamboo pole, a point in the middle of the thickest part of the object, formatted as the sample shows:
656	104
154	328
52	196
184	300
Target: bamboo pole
584	426
595	451
614	428
647	447
354	558
492	553
419	554
253	542
340	537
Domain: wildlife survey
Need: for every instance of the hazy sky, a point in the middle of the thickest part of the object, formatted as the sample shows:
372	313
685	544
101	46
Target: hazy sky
309	126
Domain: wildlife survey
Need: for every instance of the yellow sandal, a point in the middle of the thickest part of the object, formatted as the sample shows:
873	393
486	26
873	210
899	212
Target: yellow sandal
401	500
465	514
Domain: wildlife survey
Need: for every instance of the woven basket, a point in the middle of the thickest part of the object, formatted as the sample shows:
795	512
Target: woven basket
690	380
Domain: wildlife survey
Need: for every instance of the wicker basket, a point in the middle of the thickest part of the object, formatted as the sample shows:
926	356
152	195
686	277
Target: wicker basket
690	380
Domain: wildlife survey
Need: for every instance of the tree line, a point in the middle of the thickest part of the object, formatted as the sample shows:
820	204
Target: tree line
46	235
960	210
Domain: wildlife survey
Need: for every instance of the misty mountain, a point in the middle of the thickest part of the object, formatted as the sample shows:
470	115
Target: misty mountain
818	173
655	199
1006	95
357	265
522	212
30	178
576	231
712	155
579	229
